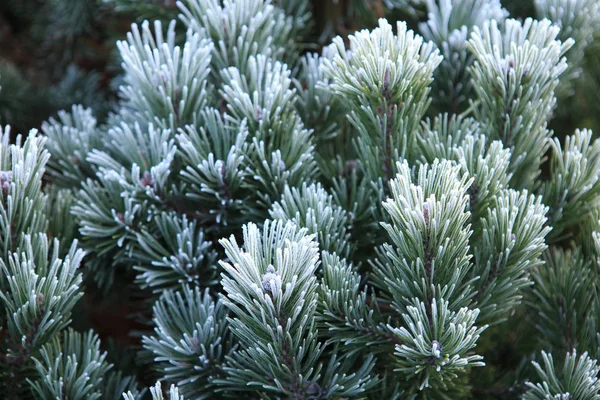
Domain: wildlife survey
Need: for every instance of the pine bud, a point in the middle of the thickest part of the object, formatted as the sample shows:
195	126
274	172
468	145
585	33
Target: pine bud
147	180
386	81
436	348
271	279
313	390
5	181
350	167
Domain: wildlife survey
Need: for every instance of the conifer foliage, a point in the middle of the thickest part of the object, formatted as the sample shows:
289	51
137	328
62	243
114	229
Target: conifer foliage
393	216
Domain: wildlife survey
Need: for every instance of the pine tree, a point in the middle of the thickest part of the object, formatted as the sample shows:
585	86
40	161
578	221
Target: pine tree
410	211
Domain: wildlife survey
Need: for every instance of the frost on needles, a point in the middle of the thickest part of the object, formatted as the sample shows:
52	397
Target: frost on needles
390	217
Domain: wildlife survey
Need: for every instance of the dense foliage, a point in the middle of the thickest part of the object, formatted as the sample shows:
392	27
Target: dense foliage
300	201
